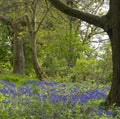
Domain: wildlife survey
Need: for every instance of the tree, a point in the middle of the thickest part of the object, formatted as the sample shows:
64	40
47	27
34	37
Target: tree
18	51
18	54
33	29
9	16
18	25
109	23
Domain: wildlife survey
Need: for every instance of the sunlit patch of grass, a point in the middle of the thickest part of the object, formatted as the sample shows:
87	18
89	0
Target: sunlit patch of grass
16	79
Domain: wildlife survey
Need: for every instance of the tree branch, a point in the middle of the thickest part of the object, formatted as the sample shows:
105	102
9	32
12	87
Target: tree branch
43	18
89	18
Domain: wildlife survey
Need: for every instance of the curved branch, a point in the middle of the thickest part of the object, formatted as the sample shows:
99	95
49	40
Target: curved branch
89	18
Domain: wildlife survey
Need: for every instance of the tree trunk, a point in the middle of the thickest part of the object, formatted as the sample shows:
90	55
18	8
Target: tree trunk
114	94
32	34
18	53
40	74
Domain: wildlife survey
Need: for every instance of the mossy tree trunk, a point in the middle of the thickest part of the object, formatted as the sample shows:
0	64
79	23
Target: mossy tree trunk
18	55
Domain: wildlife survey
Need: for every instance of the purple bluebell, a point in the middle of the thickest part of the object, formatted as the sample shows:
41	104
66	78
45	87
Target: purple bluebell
43	98
7	83
5	91
13	92
109	113
25	90
54	98
92	94
100	112
64	98
74	90
5	101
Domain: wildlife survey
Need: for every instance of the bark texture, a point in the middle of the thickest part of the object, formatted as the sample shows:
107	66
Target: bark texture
38	70
18	53
114	95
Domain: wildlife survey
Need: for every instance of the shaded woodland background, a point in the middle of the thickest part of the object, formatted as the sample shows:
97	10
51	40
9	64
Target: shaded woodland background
37	39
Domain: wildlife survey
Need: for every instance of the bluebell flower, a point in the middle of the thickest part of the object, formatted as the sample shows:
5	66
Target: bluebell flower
8	83
84	98
109	113
5	91
106	88
12	91
44	98
25	90
74	90
74	99
53	89
5	101
92	94
54	98
47	83
42	87
64	98
100	112
41	82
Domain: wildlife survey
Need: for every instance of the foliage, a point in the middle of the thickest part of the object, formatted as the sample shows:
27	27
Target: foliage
17	79
59	58
5	49
63	45
95	68
85	69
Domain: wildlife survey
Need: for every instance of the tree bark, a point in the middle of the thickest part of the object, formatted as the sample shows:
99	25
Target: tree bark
40	74
89	18
114	94
18	56
111	24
